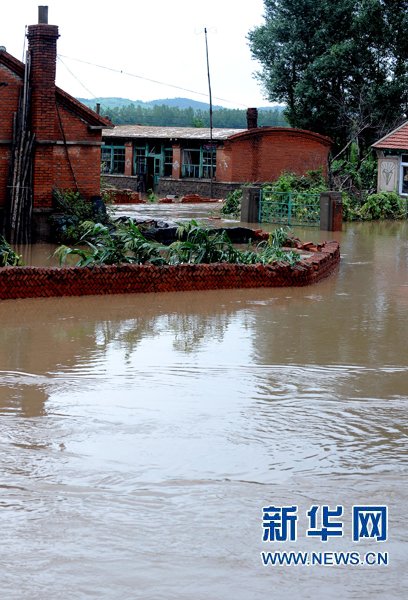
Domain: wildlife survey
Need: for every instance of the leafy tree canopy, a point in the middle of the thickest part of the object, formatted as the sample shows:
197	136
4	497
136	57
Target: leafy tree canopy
163	115
340	66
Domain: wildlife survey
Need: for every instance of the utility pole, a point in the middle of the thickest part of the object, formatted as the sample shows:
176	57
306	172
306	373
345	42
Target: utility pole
211	114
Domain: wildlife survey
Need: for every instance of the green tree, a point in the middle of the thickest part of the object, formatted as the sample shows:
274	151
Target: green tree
340	67
163	115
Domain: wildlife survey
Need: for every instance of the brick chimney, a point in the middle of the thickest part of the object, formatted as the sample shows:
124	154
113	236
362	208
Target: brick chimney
252	118
42	50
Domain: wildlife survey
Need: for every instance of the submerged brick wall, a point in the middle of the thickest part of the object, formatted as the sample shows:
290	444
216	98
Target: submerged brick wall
36	282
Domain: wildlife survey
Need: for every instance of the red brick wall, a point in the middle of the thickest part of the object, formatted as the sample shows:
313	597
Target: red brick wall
9	95
51	127
263	154
35	282
177	160
128	159
224	163
84	151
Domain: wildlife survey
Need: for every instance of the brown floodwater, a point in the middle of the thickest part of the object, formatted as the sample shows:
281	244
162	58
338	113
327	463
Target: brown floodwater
141	435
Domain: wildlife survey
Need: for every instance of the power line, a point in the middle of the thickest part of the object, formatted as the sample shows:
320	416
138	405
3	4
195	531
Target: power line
146	79
75	77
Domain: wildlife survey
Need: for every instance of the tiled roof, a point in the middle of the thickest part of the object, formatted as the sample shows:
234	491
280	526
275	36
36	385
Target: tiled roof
396	140
193	133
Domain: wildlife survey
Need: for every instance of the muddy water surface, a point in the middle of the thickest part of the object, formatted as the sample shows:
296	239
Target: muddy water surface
141	435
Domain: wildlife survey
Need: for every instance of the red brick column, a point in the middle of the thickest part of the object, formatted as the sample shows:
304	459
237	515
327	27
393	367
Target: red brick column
177	162
129	158
42	47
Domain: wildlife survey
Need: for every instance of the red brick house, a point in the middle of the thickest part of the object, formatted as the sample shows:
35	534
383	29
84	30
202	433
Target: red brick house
392	153
177	160
67	136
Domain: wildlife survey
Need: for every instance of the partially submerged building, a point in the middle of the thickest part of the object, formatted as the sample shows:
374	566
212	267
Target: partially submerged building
179	160
392	153
47	138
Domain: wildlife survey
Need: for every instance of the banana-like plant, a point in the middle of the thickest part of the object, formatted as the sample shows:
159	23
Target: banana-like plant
101	244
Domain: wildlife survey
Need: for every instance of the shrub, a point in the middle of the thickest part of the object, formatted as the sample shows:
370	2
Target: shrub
312	182
7	255
384	205
73	210
232	203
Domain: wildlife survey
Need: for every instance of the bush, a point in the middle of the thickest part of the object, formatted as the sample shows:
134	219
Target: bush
73	210
232	203
384	205
7	255
312	182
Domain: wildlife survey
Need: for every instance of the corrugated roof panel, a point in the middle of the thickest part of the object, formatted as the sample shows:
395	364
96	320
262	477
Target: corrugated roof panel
193	133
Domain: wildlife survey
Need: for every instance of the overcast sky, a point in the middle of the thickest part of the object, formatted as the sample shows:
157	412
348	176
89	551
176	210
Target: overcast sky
161	40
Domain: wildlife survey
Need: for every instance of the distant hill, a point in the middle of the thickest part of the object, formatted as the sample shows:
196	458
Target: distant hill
181	103
181	112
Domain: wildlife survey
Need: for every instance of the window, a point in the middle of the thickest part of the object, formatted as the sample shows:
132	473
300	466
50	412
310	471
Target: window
113	159
199	163
168	162
208	162
140	161
191	163
404	175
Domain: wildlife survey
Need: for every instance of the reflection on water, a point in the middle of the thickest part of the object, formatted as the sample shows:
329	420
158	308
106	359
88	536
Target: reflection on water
142	434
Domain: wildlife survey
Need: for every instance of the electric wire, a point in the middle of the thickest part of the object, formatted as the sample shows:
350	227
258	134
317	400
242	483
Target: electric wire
126	73
75	77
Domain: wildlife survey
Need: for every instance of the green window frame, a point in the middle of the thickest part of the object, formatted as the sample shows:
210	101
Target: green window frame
199	163
168	162
113	160
140	160
208	161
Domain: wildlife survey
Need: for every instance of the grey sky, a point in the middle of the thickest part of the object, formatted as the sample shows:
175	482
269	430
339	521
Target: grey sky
157	40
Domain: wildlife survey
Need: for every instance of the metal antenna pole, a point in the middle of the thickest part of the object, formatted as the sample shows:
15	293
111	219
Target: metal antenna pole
211	113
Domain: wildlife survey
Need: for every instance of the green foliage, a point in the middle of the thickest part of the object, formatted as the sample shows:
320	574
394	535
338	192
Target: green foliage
340	67
384	205
312	182
270	250
101	245
196	245
355	174
293	198
164	115
151	196
72	211
356	178
7	255
232	204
